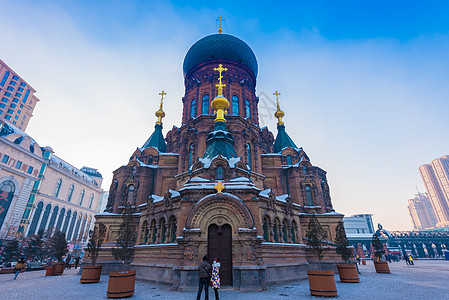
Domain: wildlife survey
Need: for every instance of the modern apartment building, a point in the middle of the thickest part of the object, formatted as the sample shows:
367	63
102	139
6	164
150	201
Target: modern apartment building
17	99
436	180
421	212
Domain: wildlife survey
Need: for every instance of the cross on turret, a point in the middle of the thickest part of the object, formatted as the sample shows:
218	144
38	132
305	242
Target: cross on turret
219	25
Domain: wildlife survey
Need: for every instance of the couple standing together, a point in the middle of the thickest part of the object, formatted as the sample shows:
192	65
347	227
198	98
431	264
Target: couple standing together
208	275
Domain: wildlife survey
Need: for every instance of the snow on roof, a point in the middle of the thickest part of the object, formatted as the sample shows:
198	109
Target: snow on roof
157	198
265	193
168	153
333	213
282	198
198	179
71	169
174	193
240	179
240	185
105	213
207	161
145	165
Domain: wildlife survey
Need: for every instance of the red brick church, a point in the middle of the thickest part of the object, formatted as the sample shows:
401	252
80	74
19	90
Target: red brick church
219	185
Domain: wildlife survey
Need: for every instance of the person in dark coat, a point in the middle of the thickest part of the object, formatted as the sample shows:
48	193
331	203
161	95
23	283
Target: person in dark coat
77	261
204	274
21	264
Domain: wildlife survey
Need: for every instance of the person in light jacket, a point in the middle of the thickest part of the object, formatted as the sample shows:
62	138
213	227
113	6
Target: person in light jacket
215	280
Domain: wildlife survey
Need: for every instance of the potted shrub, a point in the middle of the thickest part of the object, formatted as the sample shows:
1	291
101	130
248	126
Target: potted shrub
92	273
380	265
321	283
121	283
58	246
347	272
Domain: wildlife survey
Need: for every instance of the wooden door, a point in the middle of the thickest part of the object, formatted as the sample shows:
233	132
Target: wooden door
219	244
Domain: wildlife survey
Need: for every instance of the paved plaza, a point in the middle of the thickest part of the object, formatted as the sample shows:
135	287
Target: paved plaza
427	279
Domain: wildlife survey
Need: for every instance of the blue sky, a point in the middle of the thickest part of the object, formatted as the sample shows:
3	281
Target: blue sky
364	84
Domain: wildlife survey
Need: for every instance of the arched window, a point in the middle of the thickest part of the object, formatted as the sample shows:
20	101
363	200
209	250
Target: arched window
82	196
219	175
86	234
7	189
173	229
248	155
36	217
276	230
70	194
293	232
77	228
309	197
305	171
57	188
235	105
52	222
153	229
192	109
60	219
91	200
289	160
266	229
284	232
45	217
130	196
67	221
72	226
190	154
150	159
82	229
205	105
144	239
247	109
163	230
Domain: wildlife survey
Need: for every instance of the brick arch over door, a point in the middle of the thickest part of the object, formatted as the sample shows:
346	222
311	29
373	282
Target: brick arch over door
220	208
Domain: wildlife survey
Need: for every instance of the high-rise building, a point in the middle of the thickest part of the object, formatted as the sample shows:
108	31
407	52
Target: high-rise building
436	180
17	98
421	212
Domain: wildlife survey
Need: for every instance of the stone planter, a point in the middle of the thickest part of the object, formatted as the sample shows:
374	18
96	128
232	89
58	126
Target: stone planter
322	283
121	284
348	273
50	270
381	266
7	271
91	273
59	268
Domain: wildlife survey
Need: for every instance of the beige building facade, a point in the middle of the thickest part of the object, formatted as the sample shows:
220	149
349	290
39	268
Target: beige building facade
39	190
421	212
17	99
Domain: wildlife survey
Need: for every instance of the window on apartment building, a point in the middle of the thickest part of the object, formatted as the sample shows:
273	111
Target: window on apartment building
18	164
16	117
30	170
15	100
70	194
5	77
57	188
26	97
5	159
8	94
10	111
13	106
8	117
15	78
82	196
19	111
91	200
10	88
1	112
20	89
18	95
14	122
5	100
21	106
23	84
2	105
13	83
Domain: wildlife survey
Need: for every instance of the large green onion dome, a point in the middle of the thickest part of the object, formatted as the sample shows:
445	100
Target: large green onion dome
220	46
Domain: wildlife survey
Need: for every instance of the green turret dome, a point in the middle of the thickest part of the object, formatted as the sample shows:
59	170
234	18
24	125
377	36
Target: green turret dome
220	46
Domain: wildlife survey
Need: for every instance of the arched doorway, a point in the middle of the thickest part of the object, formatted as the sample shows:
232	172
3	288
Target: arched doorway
219	244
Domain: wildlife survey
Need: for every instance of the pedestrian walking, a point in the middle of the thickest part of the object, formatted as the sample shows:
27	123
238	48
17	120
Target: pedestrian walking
77	261
358	259
215	280
19	266
204	274
407	260
411	260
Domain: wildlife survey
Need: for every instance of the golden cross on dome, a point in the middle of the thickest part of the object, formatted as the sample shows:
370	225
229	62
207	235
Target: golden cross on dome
160	113
219	25
219	187
220	85
162	94
277	95
279	113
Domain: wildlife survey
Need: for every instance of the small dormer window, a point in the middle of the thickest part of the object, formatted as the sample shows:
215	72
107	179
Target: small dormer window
219	175
289	160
